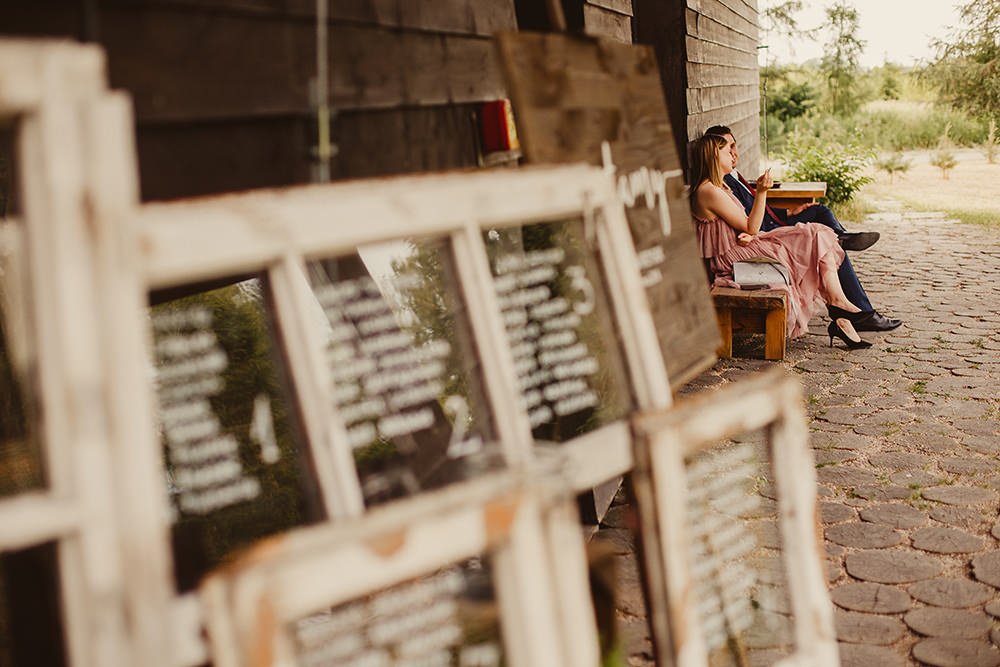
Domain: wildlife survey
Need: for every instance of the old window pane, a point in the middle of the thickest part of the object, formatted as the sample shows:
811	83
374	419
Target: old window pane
407	380
31	632
558	320
445	619
234	457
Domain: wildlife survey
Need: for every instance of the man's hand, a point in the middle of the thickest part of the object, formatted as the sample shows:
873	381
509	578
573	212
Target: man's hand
801	207
764	181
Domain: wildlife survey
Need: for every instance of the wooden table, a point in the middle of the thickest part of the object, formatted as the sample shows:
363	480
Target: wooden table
790	195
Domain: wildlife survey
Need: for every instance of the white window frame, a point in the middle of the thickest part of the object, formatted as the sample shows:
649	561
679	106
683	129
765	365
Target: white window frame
771	401
497	515
52	91
277	231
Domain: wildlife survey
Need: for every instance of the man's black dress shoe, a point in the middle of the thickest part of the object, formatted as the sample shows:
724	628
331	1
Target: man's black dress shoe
858	241
873	321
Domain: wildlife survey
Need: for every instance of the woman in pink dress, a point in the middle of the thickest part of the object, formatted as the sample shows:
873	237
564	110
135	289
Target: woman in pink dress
727	234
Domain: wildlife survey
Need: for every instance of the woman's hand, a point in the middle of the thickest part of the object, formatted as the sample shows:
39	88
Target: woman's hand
745	239
764	181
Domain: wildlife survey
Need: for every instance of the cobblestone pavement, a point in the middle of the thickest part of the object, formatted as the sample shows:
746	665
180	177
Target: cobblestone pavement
906	437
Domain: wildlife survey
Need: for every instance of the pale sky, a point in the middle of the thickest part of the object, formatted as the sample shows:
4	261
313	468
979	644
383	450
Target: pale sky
899	30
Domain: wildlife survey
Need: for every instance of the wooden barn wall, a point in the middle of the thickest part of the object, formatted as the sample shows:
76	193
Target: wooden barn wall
710	76
608	18
222	87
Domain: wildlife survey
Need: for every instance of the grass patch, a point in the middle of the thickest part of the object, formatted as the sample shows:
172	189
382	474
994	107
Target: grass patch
854	210
919	387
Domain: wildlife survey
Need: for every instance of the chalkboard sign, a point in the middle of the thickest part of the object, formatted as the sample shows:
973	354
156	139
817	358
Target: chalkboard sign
598	101
234	460
445	579
726	484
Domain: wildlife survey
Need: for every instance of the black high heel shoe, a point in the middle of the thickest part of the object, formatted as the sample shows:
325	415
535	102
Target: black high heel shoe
835	330
838	313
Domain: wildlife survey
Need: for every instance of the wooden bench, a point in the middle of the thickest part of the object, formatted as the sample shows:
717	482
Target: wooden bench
751	312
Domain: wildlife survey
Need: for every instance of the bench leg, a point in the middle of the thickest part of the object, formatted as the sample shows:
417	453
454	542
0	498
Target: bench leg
774	335
725	317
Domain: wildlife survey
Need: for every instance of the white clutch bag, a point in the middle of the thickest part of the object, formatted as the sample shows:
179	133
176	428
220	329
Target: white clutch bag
760	272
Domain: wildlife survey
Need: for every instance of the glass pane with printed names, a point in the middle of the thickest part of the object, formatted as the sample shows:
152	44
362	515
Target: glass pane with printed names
447	619
736	553
406	377
558	320
236	469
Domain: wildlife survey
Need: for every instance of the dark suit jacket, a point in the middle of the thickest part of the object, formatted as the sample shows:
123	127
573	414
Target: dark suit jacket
772	216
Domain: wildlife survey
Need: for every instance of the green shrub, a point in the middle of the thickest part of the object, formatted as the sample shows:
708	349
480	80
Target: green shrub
893	164
840	165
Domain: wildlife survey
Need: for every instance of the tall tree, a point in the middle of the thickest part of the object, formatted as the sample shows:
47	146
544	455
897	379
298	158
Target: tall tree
967	67
841	56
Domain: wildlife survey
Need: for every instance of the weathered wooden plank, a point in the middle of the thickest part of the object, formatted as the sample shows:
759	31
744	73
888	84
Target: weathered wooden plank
720	33
718	97
559	122
380	68
399	141
723	116
601	22
701	75
192	160
722	14
738	7
700	51
620	6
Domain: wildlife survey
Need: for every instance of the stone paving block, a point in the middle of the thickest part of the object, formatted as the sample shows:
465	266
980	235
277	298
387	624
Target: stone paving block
843	475
862	655
982	444
968	466
870	598
864	535
973	518
960	495
977	426
950	623
849	441
900	460
956	653
825	457
995	530
951	592
915	478
892	567
945	540
895	515
857	628
883	493
986	568
766	533
890	416
993	609
831	512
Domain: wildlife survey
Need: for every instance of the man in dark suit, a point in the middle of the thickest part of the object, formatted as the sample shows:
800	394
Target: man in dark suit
774	217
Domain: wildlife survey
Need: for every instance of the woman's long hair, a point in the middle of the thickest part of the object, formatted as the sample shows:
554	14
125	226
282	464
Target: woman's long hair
705	163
